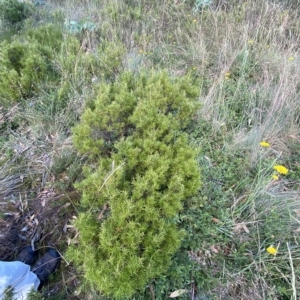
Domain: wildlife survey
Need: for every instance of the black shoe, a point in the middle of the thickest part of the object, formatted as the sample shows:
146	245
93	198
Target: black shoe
27	255
46	265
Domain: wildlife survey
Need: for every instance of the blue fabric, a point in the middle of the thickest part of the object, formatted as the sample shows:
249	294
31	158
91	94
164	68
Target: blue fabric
17	275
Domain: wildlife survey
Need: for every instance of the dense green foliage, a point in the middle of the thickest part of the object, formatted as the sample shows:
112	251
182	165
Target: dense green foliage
42	60
143	168
14	11
25	65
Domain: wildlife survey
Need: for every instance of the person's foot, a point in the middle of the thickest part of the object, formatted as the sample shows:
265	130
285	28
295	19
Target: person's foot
46	265
27	255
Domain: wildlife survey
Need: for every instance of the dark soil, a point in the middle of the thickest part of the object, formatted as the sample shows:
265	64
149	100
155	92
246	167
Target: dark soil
42	221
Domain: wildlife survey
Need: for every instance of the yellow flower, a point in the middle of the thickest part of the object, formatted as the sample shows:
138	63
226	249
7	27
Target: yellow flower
227	74
264	144
275	177
194	20
291	58
281	169
272	250
250	42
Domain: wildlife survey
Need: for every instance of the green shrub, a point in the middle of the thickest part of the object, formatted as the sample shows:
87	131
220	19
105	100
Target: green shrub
22	68
110	55
34	295
14	11
26	64
143	168
47	38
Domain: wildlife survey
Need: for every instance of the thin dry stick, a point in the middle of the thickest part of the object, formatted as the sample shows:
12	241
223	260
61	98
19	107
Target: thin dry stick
111	173
108	176
294	297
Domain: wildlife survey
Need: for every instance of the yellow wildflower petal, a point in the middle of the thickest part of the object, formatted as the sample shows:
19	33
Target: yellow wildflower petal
272	250
250	42
227	74
291	58
281	169
275	177
264	144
